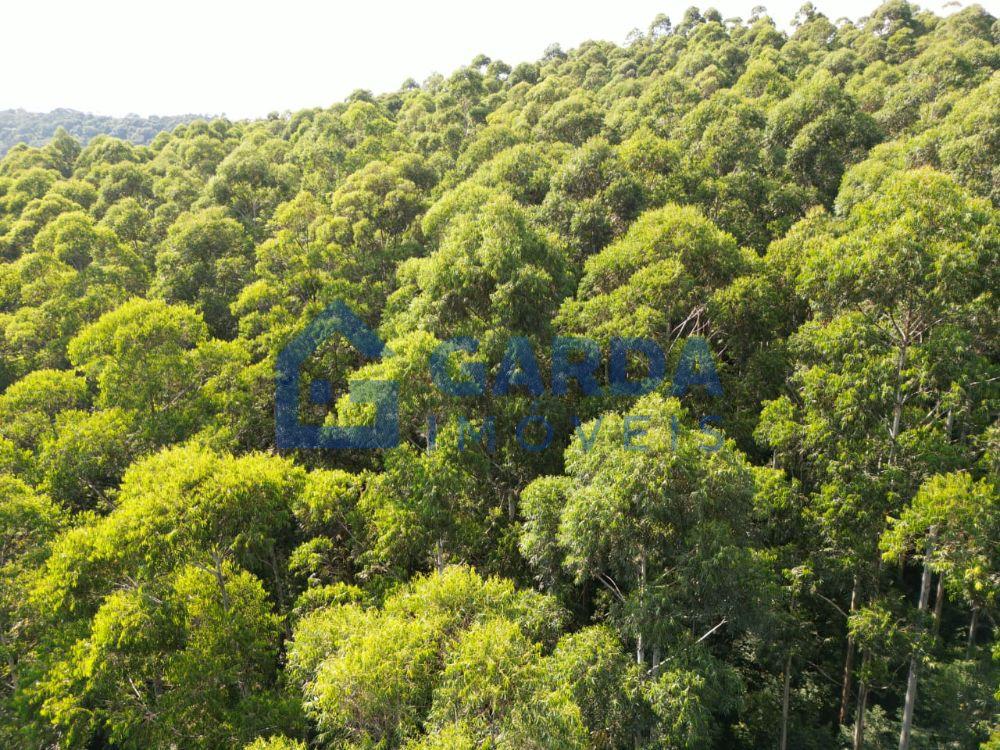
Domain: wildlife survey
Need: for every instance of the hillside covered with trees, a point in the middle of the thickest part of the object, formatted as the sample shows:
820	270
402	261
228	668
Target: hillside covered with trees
808	558
38	128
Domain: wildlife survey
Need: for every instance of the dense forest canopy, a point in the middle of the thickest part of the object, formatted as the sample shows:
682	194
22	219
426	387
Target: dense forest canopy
38	128
816	567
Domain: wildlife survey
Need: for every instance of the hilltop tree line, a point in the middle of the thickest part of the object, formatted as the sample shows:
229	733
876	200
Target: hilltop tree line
38	128
818	208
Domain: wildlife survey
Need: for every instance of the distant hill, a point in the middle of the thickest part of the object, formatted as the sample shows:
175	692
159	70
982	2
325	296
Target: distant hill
36	128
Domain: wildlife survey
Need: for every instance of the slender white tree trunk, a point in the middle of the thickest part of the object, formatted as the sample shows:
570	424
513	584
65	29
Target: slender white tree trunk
786	694
973	624
938	604
640	646
911	680
845	688
859	719
439	556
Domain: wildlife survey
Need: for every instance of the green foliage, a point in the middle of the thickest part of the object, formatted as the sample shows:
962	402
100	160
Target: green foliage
961	517
156	360
680	570
61	125
204	261
450	653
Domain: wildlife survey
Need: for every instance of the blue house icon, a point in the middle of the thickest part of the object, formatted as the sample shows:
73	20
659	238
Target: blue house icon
290	433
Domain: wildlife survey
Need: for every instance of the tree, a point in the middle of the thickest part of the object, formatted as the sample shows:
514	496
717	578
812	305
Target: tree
871	413
187	662
161	613
646	506
818	131
494	263
252	180
954	520
155	359
592	198
88	455
655	280
204	261
393	674
28	523
29	407
573	120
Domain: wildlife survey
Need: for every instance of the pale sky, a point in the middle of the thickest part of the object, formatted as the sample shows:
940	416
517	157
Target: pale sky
245	58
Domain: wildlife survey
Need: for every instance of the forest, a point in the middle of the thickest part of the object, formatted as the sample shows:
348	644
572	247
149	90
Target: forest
37	128
798	548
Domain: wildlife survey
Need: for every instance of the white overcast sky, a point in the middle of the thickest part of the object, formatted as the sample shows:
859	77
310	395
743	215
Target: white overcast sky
246	58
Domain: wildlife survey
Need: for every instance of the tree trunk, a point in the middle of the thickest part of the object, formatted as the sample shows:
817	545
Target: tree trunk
279	585
938	604
640	646
439	556
220	579
973	625
11	661
859	718
845	690
911	680
897	405
785	701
